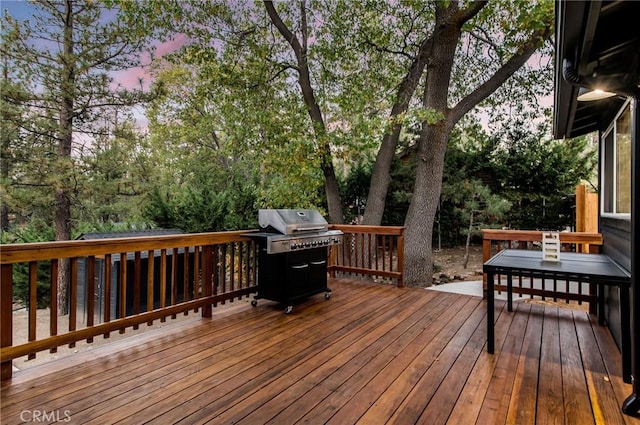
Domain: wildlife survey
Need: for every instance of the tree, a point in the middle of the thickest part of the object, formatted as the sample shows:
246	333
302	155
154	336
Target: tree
539	175
115	174
299	47
358	65
479	207
66	52
451	18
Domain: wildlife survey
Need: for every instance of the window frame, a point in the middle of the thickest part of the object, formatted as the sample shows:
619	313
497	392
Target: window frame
612	129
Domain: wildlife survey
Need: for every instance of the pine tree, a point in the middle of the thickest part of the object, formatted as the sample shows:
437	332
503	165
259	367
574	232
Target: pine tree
66	52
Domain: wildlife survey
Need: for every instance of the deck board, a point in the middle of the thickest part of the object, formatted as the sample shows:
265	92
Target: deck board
372	354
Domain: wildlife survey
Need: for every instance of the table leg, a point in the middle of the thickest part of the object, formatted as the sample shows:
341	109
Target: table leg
509	292
600	304
625	319
490	313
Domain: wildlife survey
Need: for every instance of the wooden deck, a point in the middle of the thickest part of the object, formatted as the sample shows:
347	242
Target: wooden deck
372	354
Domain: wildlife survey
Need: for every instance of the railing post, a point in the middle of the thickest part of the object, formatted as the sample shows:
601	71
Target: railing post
486	255
401	259
6	317
333	253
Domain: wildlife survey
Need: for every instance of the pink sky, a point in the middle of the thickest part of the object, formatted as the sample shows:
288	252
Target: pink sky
129	78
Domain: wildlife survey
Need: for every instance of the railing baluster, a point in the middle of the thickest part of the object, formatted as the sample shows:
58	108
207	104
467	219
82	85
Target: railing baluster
186	277
123	288
53	302
33	302
107	291
245	283
392	249
90	285
73	297
520	285
401	259
223	267
368	253
163	281
174	278
232	266
216	272
6	316
151	263
137	271
207	267
196	274
384	253
377	252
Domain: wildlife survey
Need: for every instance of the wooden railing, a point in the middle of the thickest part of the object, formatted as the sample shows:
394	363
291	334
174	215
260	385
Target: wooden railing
120	283
188	273
369	251
494	241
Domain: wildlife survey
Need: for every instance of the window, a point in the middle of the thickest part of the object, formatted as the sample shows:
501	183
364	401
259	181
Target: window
616	166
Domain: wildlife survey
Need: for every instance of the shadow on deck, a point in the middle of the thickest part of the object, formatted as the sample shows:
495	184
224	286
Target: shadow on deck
372	354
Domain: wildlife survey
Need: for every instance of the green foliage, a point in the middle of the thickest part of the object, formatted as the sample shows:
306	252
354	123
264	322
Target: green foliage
36	231
515	178
353	189
539	175
210	204
63	104
229	131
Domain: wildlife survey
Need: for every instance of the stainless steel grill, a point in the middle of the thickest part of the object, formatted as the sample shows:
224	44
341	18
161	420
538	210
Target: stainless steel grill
294	230
292	255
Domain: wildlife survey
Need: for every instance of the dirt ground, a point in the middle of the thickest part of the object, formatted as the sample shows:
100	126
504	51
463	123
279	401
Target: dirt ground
449	266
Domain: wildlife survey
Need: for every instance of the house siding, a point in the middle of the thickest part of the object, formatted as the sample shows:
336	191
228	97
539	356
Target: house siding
616	234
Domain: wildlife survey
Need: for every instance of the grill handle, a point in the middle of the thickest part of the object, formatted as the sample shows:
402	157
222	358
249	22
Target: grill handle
301	266
308	229
318	263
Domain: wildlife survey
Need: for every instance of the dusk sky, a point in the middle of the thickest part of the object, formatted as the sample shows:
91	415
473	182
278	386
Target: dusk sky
22	10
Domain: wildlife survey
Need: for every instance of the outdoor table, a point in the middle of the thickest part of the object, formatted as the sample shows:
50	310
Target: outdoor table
598	269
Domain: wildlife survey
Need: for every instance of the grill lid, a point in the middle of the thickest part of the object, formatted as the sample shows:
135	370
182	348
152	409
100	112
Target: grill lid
289	222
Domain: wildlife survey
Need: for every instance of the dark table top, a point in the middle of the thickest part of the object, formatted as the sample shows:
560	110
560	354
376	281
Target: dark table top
585	266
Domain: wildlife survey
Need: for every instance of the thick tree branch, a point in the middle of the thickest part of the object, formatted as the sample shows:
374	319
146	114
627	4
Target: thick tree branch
387	50
499	77
282	28
485	38
470	12
332	191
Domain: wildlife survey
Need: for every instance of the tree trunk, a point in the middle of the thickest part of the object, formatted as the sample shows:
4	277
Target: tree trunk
434	137
418	251
381	173
431	150
4	157
63	189
380	178
466	246
332	191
